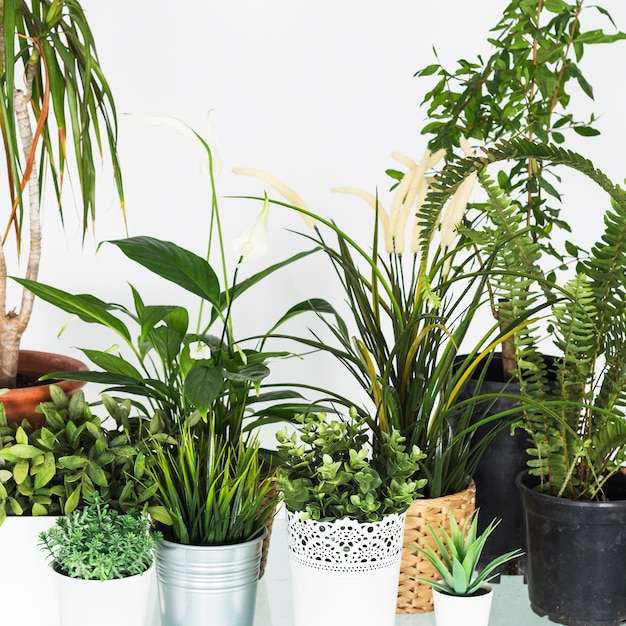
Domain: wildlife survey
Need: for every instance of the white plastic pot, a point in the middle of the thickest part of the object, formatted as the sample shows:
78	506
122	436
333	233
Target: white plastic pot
121	601
28	595
354	568
467	610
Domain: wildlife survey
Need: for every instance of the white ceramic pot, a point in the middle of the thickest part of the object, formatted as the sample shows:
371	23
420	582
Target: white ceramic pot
26	573
467	610
121	601
353	567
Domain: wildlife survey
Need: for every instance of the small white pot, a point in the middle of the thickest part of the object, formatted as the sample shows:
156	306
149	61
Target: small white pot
467	610
121	601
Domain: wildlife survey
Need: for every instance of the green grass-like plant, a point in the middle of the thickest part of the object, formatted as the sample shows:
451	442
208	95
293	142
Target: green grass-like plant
99	543
211	491
460	552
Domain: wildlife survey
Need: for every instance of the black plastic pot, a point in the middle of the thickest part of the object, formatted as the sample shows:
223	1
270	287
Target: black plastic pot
504	458
576	556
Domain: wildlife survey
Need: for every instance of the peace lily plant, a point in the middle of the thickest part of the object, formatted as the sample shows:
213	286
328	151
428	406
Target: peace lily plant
170	367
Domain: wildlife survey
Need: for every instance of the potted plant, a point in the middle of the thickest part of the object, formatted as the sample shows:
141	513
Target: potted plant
54	470
411	304
576	424
461	591
345	517
169	365
100	559
214	503
56	108
532	84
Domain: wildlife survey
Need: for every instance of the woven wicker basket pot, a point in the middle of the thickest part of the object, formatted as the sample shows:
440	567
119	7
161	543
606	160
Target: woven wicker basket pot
415	596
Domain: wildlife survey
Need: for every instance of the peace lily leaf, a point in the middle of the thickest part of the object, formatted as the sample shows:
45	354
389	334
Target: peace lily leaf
203	385
175	264
87	308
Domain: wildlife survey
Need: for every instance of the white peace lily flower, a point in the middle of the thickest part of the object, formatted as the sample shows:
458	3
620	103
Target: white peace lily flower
172	123
252	243
199	351
180	127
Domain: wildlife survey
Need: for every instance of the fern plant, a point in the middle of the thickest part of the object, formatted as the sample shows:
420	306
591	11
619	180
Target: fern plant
576	423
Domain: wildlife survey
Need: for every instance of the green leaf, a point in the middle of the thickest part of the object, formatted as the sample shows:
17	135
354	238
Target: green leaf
20	471
87	308
97	474
203	385
20	451
46	471
586	131
72	501
113	364
175	264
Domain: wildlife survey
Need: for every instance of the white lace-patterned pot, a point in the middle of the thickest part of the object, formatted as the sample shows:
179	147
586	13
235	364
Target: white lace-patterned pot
353	568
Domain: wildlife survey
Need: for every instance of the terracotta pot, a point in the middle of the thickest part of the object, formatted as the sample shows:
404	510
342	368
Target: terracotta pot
21	403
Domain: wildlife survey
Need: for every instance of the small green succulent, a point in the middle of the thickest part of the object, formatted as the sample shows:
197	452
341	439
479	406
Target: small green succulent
460	552
327	470
99	543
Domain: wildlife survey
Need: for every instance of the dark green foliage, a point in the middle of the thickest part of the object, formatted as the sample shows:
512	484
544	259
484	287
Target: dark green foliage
526	89
327	470
74	458
210	491
99	543
576	423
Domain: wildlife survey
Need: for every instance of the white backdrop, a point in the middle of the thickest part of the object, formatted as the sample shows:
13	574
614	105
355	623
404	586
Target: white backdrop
319	93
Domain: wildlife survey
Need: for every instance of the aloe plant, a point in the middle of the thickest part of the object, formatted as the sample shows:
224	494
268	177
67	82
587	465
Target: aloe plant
56	108
457	556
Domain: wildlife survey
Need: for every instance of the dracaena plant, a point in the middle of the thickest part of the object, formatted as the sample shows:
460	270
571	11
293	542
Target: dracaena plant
167	364
576	422
328	471
456	558
409	310
56	108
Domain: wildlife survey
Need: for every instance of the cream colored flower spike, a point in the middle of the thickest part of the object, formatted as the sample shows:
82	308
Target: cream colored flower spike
289	194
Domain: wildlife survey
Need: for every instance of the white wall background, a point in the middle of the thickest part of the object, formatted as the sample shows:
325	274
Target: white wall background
317	93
